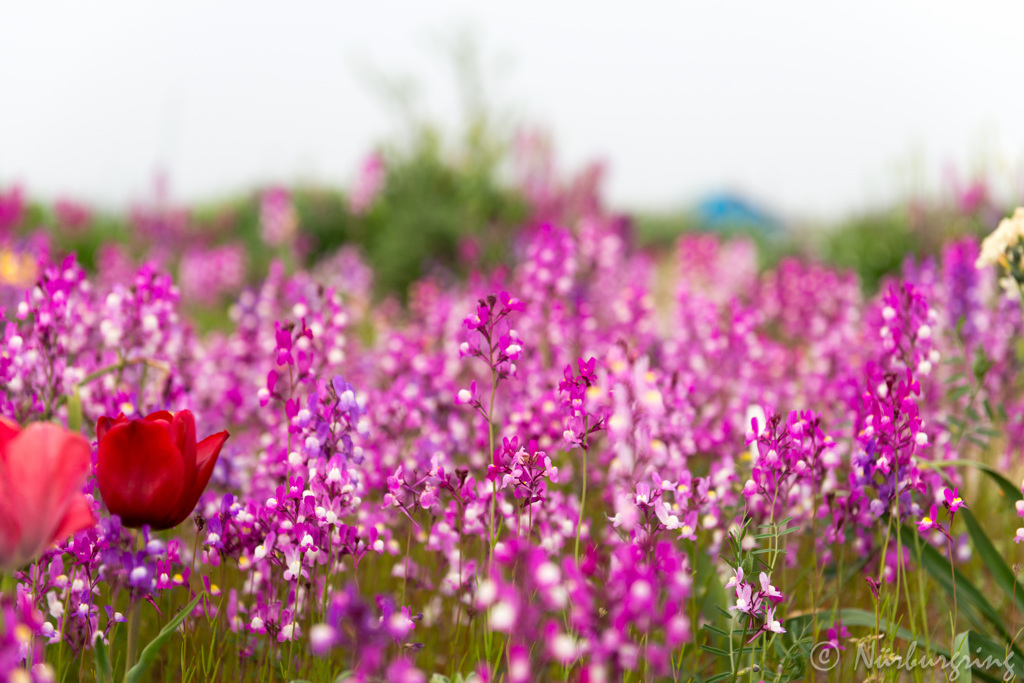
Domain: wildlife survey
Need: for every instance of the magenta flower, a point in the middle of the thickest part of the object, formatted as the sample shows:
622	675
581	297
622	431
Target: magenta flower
929	522
835	633
953	501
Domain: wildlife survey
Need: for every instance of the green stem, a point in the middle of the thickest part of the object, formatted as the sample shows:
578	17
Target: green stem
490	454
134	623
583	503
121	365
327	573
739	657
881	577
583	497
1020	291
952	576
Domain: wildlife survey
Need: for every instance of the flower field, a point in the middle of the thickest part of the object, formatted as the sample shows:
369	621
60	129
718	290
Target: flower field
584	461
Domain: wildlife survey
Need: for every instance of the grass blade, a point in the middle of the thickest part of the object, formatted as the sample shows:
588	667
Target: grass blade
150	652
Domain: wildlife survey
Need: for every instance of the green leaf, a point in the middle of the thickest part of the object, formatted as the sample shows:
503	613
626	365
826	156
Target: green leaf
150	652
982	363
75	412
719	677
989	658
1001	573
101	663
959	392
961	670
717	631
938	568
979	647
714	593
977	441
851	616
991	661
1008	490
714	650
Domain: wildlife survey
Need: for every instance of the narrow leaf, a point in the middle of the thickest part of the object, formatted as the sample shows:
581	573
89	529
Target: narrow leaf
1001	573
967	593
101	662
75	412
961	662
150	652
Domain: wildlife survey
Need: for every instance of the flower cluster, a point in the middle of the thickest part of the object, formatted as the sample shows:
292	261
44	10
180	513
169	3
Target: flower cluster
758	603
518	489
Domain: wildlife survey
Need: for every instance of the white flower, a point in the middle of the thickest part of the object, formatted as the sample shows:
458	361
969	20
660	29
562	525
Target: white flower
1002	240
321	636
563	648
503	615
486	593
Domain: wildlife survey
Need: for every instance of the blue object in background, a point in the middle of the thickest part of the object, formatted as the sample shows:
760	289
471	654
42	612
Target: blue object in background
728	212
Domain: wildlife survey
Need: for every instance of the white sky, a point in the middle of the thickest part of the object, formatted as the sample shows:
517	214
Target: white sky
815	108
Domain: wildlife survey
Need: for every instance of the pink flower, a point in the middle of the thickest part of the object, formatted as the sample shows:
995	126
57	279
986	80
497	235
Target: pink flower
835	633
771	623
41	472
368	185
929	522
735	580
768	590
744	601
953	501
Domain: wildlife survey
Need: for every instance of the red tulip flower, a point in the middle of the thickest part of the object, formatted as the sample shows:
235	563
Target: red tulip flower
151	470
42	468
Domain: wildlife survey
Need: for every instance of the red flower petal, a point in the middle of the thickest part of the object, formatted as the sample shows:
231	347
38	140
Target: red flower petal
8	430
10	528
207	452
45	466
78	516
141	473
164	415
104	424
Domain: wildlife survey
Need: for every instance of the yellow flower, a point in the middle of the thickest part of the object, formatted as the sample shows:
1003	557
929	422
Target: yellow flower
16	269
